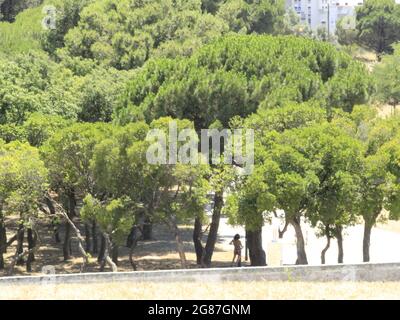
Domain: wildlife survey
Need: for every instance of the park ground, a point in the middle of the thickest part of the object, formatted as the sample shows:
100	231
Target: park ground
205	291
161	254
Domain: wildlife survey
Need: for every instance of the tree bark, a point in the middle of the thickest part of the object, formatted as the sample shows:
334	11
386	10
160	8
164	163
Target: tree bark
213	234
106	259
70	223
55	224
301	251
94	238
67	238
100	257
132	243
367	241
3	242
283	231
88	239
368	225
328	245
32	239
19	257
179	243
256	251
339	237
197	235
147	229
115	253
20	245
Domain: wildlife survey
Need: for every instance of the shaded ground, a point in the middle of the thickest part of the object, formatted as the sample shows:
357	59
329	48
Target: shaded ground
158	254
207	290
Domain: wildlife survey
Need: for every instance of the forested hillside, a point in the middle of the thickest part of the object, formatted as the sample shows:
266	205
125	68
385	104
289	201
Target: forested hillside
77	102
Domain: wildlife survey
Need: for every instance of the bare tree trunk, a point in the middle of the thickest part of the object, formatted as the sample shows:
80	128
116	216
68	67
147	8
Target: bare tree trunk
55	223
339	237
20	245
147	228
19	257
115	253
283	231
100	257
32	239
94	238
3	242
67	239
81	241
368	225
173	225
132	262
88	240
301	251
106	259
197	235
213	234
328	244
132	243
256	251
367	241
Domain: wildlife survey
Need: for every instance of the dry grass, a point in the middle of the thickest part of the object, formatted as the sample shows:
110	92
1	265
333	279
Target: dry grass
206	290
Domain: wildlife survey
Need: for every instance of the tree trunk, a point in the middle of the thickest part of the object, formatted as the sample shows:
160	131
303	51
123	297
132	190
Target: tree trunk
328	244
94	238
32	239
132	243
213	234
106	259
79	237
100	257
3	242
367	241
54	222
256	251
67	242
147	229
283	231
301	251
115	253
20	244
172	224
88	240
197	235
339	237
67	238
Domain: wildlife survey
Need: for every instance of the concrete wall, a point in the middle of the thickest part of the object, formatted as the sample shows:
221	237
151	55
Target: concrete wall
359	272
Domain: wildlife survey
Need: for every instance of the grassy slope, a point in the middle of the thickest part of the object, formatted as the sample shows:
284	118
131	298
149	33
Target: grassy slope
24	34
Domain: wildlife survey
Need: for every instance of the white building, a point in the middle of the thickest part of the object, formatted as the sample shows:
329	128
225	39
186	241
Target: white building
323	13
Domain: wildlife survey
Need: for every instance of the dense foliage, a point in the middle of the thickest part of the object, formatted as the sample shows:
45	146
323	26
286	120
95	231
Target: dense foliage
239	74
79	102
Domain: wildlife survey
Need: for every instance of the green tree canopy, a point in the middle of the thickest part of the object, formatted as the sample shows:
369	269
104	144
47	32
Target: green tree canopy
124	34
237	75
378	22
387	77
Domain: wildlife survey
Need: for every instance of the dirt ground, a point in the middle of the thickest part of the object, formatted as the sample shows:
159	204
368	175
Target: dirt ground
158	254
207	290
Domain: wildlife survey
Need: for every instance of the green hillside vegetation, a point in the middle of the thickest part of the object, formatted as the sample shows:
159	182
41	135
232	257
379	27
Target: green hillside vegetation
77	103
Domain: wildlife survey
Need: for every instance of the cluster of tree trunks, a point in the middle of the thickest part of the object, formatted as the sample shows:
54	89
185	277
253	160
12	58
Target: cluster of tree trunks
204	254
109	251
